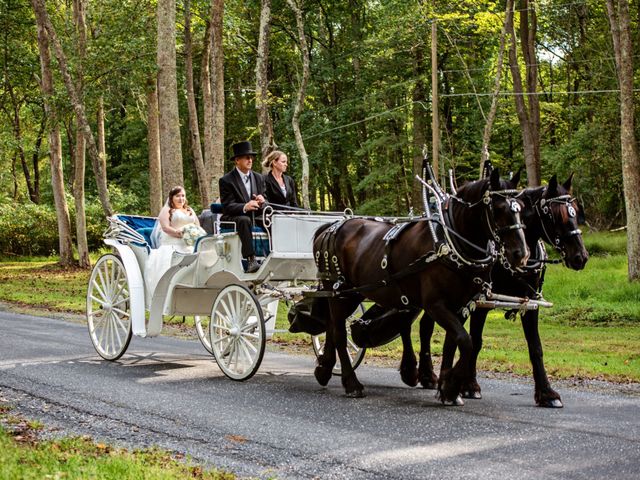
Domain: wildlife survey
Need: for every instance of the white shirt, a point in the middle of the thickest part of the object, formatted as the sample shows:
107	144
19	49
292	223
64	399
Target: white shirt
246	181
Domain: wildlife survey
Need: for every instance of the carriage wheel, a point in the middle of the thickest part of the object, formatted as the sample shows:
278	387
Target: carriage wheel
236	332
202	328
355	352
108	307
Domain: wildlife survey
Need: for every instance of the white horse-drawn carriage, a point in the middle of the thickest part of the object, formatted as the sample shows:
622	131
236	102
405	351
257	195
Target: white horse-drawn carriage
234	312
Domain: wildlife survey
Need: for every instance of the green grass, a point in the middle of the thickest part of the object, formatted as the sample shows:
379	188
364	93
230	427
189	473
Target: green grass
23	456
592	331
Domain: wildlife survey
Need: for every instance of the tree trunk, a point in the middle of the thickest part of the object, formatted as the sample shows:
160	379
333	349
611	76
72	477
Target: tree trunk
528	30
78	182
78	107
419	125
153	140
169	118
216	169
486	135
207	109
295	121
265	125
102	143
55	152
521	109
194	129
618	13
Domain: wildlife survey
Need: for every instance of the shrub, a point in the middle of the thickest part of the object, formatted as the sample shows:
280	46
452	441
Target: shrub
30	229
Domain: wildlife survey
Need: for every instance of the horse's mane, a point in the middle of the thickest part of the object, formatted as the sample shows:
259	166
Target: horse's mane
472	191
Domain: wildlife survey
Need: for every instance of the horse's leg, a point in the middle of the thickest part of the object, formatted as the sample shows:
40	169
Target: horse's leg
326	361
471	389
426	374
339	313
451	381
545	396
408	364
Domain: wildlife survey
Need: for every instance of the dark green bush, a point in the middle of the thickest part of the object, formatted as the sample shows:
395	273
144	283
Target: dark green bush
30	229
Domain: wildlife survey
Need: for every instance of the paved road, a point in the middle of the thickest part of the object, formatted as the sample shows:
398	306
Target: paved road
282	424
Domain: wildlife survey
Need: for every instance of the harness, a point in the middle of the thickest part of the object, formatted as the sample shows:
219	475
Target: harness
543	209
447	247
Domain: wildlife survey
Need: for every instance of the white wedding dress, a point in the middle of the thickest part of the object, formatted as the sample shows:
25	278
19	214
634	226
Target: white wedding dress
159	259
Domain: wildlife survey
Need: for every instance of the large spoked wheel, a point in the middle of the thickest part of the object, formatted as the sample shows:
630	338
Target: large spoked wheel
355	352
237	333
108	308
202	328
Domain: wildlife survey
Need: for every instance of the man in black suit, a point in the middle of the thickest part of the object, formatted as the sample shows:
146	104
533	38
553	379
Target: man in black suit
241	194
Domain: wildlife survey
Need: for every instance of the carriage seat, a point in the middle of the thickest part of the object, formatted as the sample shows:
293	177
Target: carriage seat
141	225
260	236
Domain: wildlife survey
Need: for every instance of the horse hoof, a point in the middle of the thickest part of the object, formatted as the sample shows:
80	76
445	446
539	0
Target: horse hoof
322	375
355	394
458	402
429	385
472	395
552	403
409	378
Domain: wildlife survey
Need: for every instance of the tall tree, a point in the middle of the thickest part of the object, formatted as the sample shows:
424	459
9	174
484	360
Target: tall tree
486	135
55	149
78	107
169	117
265	125
620	22
528	116
216	168
296	6
79	170
194	129
153	140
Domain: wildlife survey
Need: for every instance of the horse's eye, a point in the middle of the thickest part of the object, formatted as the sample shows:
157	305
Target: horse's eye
515	206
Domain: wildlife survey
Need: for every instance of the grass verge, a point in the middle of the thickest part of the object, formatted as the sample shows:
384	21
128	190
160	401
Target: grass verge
23	455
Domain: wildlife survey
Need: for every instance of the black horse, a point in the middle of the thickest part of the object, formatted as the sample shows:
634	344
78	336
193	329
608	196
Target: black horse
549	214
355	262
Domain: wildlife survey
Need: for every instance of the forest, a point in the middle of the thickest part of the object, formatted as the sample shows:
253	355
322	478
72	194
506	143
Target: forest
107	104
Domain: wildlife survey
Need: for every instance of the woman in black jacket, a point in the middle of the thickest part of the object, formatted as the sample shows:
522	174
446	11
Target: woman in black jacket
279	188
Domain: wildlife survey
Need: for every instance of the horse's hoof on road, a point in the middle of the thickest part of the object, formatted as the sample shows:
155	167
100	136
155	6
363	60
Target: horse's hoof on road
472	395
355	394
551	403
409	377
323	375
458	402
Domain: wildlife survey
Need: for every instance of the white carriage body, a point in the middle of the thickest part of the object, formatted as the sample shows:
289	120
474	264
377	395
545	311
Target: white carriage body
191	284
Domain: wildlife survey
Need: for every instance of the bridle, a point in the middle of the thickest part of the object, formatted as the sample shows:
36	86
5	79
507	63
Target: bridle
510	196
543	208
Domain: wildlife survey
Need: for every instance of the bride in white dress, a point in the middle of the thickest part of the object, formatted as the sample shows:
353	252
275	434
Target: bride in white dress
167	236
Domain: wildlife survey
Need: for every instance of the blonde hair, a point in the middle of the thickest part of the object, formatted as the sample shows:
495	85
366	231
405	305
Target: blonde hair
272	157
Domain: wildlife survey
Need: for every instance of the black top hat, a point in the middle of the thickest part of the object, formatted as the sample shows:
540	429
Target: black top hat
242	148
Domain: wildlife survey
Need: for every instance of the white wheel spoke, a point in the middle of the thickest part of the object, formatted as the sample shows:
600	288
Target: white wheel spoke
115	322
228	309
100	292
248	346
250	335
121	312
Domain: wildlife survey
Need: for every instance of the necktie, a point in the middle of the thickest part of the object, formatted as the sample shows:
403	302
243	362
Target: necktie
247	184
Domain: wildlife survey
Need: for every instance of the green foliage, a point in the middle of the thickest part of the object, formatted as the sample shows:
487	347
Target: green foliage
368	102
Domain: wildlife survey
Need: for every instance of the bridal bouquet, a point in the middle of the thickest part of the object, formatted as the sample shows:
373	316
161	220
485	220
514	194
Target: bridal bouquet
191	233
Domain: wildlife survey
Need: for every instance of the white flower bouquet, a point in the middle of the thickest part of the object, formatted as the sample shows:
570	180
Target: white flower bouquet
191	233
